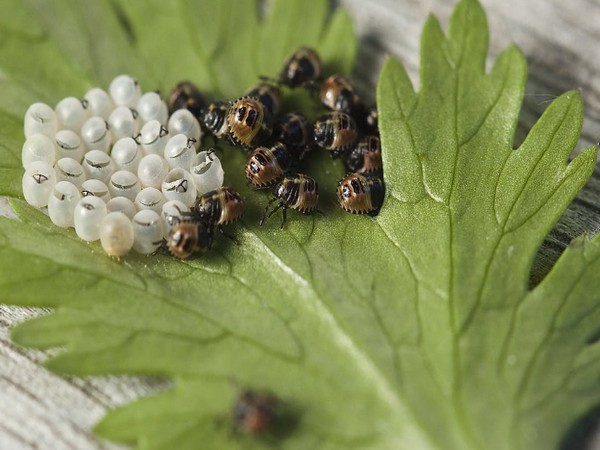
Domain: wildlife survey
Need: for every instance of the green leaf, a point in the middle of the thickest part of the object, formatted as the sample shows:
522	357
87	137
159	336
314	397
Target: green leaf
412	330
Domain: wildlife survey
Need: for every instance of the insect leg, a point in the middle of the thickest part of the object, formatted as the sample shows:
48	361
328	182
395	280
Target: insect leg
284	215
264	216
279	205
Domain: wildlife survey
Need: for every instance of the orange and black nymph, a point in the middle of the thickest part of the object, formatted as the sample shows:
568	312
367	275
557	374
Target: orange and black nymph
248	122
187	237
219	207
365	156
301	67
359	194
266	166
185	95
337	94
295	191
335	132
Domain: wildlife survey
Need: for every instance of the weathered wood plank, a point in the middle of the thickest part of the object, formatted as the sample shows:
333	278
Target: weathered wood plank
40	410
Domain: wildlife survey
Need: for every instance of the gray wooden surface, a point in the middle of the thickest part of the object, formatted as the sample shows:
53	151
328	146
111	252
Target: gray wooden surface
39	410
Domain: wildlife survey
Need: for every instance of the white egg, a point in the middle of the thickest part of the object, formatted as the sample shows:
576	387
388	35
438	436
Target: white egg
38	147
62	202
153	137
148	231
126	154
207	172
179	185
179	152
71	113
40	118
121	204
38	182
183	121
152	171
123	122
98	165
69	145
95	134
152	107
96	188
125	91
116	234
125	184
149	198
99	102
87	216
68	169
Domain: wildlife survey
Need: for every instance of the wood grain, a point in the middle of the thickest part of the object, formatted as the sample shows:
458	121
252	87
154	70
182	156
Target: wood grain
40	410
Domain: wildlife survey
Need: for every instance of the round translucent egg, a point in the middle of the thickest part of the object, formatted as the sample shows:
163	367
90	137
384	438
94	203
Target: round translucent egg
172	212
207	172
71	113
95	134
152	107
99	102
87	216
96	188
153	137
126	154
38	182
179	185
68	169
183	121
116	234
125	184
149	198
152	171
40	118
98	165
179	152
121	204
148	231
125	91
69	145
123	122
62	202
38	147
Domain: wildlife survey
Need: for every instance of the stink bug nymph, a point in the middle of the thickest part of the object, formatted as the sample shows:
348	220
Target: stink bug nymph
301	67
266	166
359	194
337	94
335	132
293	129
248	122
365	156
214	118
185	95
268	94
188	237
254	413
219	207
296	191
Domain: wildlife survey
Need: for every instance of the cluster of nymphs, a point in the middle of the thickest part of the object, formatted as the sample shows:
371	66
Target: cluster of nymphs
278	142
127	168
118	167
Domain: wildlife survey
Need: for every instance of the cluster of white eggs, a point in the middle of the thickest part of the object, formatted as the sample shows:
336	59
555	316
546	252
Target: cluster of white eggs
115	166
